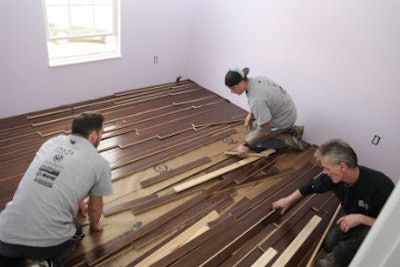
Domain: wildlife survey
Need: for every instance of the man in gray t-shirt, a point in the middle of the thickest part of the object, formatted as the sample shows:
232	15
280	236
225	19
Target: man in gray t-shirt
272	112
66	174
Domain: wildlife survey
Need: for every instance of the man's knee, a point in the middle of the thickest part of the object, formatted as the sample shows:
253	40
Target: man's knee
11	262
332	238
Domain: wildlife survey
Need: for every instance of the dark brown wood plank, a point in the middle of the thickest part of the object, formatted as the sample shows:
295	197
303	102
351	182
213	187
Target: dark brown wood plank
165	175
214	202
170	152
161	200
112	209
228	240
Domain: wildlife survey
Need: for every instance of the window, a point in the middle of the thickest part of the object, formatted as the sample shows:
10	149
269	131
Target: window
81	30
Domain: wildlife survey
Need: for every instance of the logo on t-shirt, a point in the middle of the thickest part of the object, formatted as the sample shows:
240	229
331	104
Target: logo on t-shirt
50	170
47	173
363	204
61	153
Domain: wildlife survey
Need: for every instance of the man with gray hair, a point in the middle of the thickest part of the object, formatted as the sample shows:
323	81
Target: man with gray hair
362	193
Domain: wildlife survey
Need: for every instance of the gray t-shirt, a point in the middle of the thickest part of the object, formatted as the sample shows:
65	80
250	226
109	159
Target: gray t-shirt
270	102
64	171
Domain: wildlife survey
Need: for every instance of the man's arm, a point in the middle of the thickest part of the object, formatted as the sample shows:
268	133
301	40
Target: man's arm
248	122
257	136
285	203
95	210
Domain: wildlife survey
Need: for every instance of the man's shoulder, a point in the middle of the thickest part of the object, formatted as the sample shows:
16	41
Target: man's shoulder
375	177
259	80
366	171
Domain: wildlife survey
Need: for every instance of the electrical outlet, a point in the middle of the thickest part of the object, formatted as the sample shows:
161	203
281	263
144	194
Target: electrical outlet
155	59
376	139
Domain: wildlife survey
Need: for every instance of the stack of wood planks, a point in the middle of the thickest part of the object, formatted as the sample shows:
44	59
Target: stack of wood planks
179	200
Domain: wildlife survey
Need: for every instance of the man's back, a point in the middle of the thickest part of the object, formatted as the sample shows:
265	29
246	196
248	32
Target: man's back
64	171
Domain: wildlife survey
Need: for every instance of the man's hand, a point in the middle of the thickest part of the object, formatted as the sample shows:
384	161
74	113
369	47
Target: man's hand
283	204
242	150
95	210
83	207
350	221
96	227
248	122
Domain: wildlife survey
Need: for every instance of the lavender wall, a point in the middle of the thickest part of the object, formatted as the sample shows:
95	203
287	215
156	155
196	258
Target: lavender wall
340	60
149	28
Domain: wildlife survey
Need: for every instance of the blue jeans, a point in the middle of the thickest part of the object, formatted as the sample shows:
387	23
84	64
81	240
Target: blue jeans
13	255
269	141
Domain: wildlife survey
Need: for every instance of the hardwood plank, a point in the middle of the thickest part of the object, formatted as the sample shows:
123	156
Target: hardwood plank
265	258
245	251
311	259
304	248
182	221
222	238
204	178
301	237
98	253
109	210
257	169
169	173
180	240
261	154
173	151
231	244
161	200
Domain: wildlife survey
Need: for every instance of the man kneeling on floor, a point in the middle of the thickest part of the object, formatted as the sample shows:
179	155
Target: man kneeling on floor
272	113
67	173
361	191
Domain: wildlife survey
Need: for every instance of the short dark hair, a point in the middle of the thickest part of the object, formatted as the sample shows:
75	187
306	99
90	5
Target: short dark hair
338	152
86	122
235	76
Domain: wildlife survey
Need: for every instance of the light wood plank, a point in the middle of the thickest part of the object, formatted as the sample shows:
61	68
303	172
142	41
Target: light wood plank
265	258
288	253
193	231
314	255
214	174
265	153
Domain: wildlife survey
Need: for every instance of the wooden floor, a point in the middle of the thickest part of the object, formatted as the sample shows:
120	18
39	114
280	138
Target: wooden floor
179	200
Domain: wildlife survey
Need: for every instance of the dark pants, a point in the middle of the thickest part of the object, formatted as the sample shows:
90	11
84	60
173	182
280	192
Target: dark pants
270	141
344	245
13	255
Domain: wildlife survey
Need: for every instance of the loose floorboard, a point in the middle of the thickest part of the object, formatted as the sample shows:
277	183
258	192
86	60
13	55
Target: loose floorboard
180	198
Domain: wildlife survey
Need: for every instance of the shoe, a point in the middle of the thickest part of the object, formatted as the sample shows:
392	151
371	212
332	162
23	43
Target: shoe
296	144
43	263
327	261
297	131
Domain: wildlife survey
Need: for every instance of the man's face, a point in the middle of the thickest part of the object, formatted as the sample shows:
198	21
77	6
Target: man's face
335	172
239	88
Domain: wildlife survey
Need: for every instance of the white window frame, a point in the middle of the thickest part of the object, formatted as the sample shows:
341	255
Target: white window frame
74	47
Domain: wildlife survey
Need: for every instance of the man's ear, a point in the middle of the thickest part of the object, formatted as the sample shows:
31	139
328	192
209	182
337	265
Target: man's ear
343	166
92	137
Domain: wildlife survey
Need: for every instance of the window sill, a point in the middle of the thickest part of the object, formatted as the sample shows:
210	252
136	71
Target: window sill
82	59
